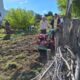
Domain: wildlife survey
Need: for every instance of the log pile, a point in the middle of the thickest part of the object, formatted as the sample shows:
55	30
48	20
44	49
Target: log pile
60	68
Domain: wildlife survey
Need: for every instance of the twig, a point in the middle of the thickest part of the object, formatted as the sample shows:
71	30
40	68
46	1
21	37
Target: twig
72	54
46	70
64	59
73	78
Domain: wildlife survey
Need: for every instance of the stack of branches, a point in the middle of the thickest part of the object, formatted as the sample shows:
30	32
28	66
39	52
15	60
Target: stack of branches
62	67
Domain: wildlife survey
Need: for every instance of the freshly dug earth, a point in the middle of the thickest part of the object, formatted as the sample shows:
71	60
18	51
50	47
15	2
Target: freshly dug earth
18	59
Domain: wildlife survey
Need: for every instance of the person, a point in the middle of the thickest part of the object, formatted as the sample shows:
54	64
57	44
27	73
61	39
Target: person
42	47
0	19
45	43
52	22
8	31
8	28
56	22
44	25
51	42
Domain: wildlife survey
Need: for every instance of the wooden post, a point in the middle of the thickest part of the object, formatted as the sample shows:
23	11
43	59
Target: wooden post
66	26
48	54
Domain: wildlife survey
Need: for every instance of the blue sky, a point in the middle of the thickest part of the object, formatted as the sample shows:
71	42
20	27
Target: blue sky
38	6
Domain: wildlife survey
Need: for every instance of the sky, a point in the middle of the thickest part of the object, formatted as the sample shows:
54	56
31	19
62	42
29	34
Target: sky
38	6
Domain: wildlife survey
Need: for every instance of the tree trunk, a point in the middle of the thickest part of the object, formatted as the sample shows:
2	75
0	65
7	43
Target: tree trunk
74	39
66	26
77	70
71	37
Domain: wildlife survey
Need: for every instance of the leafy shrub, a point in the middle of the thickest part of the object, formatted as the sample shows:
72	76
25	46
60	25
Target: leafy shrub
20	18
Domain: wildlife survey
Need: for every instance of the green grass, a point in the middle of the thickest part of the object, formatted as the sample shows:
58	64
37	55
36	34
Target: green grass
1	30
2	33
15	35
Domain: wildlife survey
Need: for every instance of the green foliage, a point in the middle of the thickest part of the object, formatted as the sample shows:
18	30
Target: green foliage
20	18
75	7
37	18
7	37
49	14
49	18
1	33
62	6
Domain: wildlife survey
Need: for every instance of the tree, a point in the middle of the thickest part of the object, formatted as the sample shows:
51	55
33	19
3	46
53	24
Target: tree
38	17
75	7
49	18
49	14
20	18
62	6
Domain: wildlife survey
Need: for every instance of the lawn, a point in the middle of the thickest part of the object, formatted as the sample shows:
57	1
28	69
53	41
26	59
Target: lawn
15	35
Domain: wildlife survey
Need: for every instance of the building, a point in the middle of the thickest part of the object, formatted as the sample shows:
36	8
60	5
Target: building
2	10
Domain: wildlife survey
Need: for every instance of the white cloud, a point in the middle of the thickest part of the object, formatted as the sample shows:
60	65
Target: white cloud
44	11
21	1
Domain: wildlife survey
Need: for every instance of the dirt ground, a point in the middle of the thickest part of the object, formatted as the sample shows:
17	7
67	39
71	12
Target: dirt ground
18	59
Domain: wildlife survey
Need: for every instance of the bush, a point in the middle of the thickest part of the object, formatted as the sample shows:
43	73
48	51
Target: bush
20	18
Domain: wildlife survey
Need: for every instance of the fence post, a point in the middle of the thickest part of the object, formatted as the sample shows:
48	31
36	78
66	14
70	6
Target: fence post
66	27
48	54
